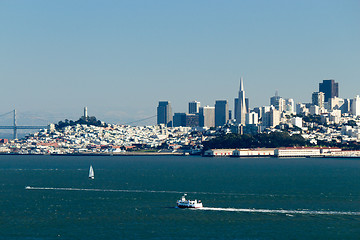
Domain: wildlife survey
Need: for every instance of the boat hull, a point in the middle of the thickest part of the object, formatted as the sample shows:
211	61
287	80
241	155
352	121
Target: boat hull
189	206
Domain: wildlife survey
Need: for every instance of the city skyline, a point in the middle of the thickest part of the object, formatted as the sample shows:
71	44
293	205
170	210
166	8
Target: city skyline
121	58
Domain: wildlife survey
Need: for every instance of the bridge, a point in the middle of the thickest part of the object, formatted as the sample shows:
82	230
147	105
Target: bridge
15	127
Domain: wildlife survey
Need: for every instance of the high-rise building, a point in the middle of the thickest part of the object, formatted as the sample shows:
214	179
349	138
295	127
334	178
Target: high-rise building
207	116
192	120
346	107
179	119
194	107
240	105
186	120
289	106
221	112
278	102
164	113
318	99
355	106
247	104
335	103
271	118
274	118
252	118
330	88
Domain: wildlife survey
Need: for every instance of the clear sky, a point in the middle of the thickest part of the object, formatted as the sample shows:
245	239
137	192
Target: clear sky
119	58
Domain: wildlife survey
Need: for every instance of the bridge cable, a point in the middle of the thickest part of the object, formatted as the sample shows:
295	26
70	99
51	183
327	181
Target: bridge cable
1	115
140	120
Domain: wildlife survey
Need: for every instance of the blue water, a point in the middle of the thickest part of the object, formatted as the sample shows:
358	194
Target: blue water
135	198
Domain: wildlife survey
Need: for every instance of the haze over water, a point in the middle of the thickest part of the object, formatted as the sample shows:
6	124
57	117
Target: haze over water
135	198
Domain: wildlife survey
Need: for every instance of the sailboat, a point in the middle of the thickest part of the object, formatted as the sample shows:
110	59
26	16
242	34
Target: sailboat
91	173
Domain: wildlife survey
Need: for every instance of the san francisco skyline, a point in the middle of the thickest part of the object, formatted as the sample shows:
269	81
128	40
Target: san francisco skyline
119	58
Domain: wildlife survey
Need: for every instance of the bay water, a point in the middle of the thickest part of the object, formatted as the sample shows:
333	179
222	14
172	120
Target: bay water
134	197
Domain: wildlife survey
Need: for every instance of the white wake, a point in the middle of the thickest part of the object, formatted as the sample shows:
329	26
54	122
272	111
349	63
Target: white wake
313	212
140	191
99	190
246	210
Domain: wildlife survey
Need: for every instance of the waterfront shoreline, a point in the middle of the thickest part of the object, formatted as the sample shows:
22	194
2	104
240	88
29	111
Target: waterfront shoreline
101	154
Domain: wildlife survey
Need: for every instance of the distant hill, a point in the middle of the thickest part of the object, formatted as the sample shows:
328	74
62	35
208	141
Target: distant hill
90	121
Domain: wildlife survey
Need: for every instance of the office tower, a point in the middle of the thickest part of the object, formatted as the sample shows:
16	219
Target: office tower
186	120
335	103
301	109
278	102
258	111
252	118
179	119
314	110
355	106
164	113
192	120
346	107
264	109
240	105
274	118
207	116
221	112
194	107
330	88
289	106
318	99
247	104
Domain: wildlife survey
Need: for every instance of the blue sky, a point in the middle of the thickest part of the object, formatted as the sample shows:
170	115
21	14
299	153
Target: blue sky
119	58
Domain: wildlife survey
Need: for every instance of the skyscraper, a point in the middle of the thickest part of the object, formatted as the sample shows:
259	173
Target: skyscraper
194	107
221	112
240	105
207	116
318	99
164	113
330	88
355	106
289	105
278	102
186	120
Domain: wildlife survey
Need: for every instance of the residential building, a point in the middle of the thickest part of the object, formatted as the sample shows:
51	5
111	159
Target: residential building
297	121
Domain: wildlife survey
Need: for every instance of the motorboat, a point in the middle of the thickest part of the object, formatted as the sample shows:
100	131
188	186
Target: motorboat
185	203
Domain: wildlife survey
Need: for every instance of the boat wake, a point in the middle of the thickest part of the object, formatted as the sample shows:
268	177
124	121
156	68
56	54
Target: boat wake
146	191
310	212
244	210
100	190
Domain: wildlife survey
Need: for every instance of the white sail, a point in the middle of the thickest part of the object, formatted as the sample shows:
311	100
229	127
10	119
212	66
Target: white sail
91	173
